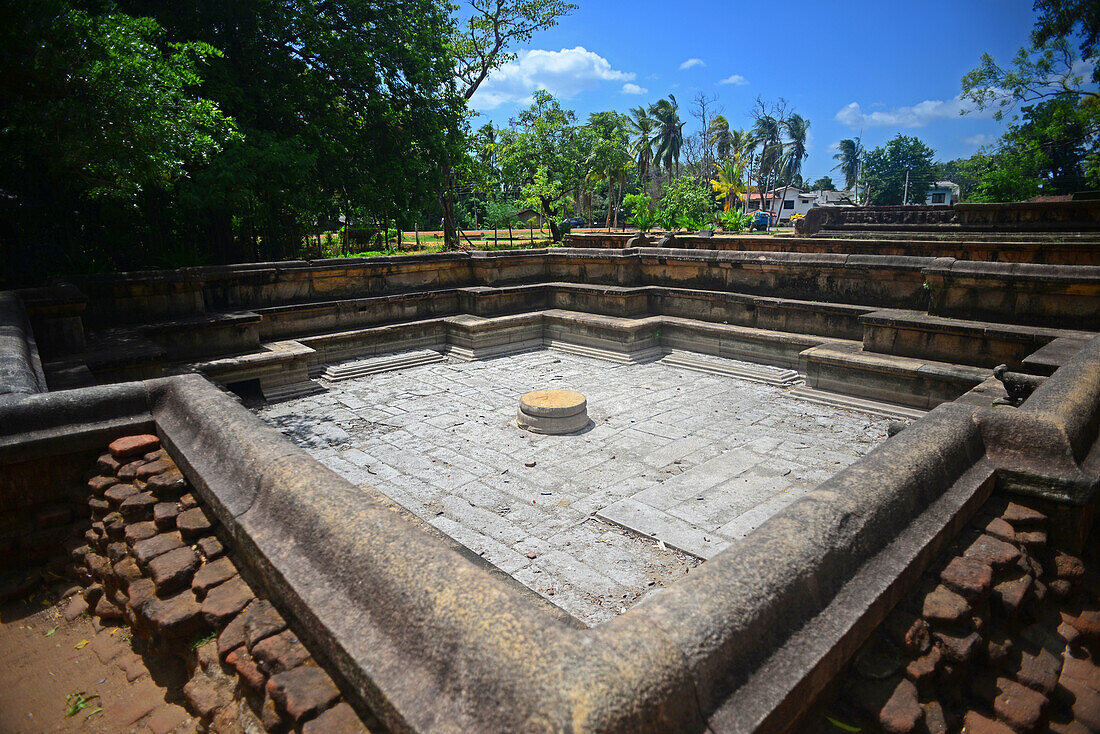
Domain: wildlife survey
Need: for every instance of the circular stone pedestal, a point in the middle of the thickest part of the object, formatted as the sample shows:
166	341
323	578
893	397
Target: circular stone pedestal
552	411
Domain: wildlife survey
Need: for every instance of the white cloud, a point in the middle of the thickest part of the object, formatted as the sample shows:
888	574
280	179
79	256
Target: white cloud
918	115
736	80
630	88
563	73
692	62
979	140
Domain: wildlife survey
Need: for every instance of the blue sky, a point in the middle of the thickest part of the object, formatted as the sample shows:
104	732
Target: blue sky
883	67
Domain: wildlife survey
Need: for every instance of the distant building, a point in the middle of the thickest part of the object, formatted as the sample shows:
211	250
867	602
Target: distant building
943	193
530	217
796	201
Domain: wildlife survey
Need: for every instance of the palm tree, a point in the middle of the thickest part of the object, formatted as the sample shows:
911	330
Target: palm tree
766	132
741	145
728	184
720	137
851	151
642	126
670	132
797	129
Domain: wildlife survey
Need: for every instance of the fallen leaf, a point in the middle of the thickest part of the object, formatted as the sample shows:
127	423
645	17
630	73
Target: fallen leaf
81	645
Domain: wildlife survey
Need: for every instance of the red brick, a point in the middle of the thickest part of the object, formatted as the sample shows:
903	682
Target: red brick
957	648
1083	701
993	552
139	531
1038	668
246	668
1068	567
98	485
340	719
173	570
1087	623
193	523
261	621
107	464
164	515
968	577
167	486
204	697
306	691
129	446
1001	530
1081	669
232	636
1018	706
174	617
975	723
279	653
211	575
923	668
159	466
146	550
944	605
118	493
224	602
1011	593
1023	517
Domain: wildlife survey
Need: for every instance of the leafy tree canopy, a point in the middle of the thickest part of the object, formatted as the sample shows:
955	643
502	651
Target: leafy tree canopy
886	169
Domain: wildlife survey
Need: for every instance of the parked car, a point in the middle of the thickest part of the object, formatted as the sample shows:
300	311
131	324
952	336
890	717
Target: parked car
571	222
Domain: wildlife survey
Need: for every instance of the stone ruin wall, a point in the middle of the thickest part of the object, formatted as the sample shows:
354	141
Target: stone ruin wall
149	556
1000	634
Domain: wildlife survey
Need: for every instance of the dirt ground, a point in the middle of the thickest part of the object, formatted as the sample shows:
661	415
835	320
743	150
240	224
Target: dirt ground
62	671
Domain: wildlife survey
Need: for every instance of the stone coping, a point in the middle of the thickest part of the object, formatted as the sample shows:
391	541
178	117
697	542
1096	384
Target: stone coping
431	639
20	365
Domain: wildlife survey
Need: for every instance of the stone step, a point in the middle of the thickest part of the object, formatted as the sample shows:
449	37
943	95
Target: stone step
776	376
640	356
374	365
289	391
837	400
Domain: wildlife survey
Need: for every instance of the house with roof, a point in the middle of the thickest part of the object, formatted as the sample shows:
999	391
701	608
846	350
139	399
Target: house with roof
782	203
943	193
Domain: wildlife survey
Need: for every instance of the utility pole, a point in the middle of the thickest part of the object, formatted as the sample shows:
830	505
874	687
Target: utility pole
905	196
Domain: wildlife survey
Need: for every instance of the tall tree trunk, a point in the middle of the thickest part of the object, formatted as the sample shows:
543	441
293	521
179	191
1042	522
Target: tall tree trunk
447	204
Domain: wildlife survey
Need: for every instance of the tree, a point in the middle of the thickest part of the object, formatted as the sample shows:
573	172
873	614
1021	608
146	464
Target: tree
670	132
849	156
728	184
797	129
95	112
610	156
703	109
547	154
480	44
1066	18
1046	153
720	137
887	169
825	183
643	127
685	197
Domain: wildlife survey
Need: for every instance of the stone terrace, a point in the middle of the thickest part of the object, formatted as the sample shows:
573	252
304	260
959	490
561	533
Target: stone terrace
419	633
441	440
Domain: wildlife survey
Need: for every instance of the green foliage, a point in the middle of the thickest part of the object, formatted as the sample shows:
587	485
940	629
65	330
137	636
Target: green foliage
733	221
849	155
77	702
685	197
547	154
690	223
885	170
100	104
642	213
825	183
665	219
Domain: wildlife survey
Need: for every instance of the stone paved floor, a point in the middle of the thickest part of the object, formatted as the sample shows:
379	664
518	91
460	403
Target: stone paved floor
687	461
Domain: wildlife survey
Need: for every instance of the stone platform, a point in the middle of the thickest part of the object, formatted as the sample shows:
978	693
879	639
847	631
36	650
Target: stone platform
596	520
